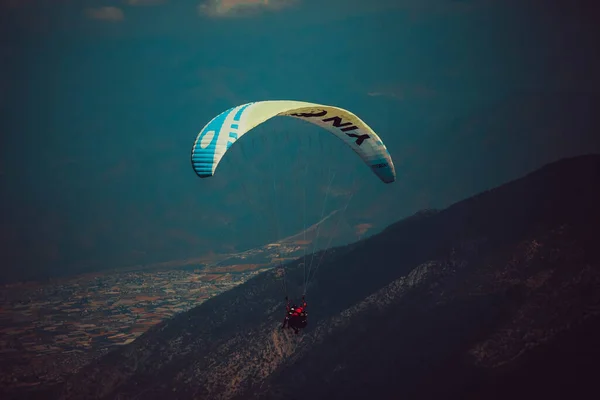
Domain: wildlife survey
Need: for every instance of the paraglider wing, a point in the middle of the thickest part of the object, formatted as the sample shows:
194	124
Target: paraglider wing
225	129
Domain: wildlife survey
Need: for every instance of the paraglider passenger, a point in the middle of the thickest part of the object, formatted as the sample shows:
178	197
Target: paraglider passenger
296	316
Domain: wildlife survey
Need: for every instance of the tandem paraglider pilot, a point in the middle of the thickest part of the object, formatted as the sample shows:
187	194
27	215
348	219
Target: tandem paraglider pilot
296	317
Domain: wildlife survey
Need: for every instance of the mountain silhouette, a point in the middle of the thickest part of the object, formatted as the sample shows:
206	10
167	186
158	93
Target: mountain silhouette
497	296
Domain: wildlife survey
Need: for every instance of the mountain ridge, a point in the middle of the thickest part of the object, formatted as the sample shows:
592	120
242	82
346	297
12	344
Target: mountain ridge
457	297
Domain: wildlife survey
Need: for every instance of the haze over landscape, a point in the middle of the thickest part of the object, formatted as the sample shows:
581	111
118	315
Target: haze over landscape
101	101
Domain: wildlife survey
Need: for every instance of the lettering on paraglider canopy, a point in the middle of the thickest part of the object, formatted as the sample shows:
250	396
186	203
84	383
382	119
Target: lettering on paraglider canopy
320	113
336	122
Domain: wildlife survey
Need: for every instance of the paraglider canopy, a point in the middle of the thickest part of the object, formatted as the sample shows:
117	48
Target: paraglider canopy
224	130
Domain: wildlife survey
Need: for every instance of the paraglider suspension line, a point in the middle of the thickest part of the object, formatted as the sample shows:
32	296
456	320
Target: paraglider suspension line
304	224
317	235
331	237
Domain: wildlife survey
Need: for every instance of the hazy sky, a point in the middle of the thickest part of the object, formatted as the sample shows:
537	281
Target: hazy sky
101	101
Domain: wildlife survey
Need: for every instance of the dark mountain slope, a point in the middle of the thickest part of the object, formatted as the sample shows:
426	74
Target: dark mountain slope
495	296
